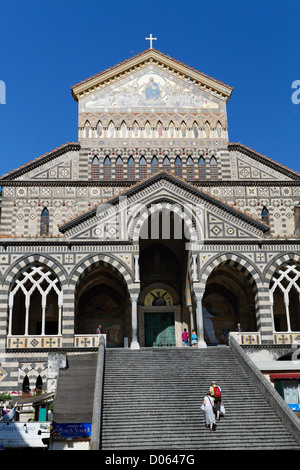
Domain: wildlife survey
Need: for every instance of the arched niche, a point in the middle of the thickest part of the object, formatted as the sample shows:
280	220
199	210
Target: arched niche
229	299
102	298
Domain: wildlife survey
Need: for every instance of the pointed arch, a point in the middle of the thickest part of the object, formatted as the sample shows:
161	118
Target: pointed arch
119	169
130	169
195	130
285	296
26	385
213	168
178	167
39	383
87	129
99	129
183	129
190	170
154	165
207	130
143	168
123	130
166	165
135	129
111	130
148	130
201	169
219	129
107	169
265	215
160	129
95	169
171	129
34	290
44	225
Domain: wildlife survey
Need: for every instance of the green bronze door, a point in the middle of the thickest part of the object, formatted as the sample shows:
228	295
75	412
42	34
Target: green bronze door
159	329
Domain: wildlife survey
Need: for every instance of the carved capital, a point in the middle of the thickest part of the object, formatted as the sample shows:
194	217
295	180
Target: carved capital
134	297
198	296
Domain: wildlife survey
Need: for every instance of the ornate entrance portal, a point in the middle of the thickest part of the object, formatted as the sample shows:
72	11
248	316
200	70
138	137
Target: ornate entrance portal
159	329
163	276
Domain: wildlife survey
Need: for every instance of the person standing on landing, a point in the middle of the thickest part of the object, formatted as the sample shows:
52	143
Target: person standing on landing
185	338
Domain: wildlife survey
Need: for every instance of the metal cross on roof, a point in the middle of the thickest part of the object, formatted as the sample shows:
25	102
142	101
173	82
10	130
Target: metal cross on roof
151	39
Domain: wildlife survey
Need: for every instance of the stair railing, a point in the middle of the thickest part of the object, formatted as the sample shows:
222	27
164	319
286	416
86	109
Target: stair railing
281	408
98	394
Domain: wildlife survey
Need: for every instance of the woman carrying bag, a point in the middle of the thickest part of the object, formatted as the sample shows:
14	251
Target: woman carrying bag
208	408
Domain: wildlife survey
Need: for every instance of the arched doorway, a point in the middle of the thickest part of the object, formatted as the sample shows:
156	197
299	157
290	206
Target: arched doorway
163	263
102	298
229	299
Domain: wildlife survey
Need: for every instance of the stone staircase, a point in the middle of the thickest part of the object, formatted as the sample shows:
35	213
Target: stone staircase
152	399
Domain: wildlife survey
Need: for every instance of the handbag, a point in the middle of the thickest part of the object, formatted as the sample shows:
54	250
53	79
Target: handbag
213	406
222	409
202	407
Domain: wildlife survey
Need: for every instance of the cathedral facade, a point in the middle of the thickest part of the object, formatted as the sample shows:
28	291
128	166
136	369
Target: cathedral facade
151	223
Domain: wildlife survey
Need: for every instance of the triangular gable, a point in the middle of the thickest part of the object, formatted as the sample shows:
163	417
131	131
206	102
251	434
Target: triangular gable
144	59
218	220
251	165
41	166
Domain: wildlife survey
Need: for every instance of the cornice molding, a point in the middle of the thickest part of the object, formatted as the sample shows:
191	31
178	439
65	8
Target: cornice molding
128	183
149	57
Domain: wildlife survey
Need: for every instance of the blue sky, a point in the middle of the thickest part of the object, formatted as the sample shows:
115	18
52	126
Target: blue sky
48	46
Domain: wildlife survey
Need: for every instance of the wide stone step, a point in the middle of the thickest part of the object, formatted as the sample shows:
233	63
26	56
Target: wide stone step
152	399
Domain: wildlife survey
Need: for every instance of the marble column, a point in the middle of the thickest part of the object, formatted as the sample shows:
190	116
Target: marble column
134	321
136	269
195	271
199	320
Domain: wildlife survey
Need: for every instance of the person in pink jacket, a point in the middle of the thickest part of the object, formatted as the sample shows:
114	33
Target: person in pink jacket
185	338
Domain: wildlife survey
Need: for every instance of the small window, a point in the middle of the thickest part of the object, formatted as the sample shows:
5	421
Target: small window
107	169
143	168
87	130
39	383
119	169
265	216
201	167
45	222
26	385
213	169
154	165
166	165
178	167
131	169
95	169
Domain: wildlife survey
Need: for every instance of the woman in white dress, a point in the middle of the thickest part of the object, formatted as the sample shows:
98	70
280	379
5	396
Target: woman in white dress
210	418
